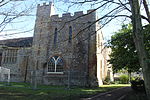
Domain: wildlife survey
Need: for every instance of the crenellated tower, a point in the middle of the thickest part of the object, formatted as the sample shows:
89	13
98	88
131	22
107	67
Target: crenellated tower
65	48
40	39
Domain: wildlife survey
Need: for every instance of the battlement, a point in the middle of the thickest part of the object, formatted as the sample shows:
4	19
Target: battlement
45	10
76	14
44	4
66	15
79	13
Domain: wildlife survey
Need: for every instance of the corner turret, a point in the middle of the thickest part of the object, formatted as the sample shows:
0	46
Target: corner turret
45	10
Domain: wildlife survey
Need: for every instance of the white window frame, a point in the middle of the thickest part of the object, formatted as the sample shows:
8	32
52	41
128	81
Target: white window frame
55	66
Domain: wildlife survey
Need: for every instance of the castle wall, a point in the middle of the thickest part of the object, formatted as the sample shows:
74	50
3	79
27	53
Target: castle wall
75	53
17	68
23	63
40	41
100	57
76	39
79	55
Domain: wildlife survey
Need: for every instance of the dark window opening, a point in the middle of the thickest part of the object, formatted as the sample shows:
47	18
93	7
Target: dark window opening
0	58
55	37
70	34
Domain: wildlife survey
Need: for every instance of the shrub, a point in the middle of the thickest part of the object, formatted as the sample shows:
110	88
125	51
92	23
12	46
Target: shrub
124	79
138	85
106	81
112	82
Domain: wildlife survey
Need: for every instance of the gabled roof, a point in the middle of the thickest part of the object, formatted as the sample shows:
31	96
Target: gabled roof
19	42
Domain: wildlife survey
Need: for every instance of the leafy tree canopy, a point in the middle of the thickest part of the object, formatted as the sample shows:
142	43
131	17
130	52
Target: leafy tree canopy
124	54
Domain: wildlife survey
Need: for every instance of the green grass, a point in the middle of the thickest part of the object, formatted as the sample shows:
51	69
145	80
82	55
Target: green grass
50	92
116	85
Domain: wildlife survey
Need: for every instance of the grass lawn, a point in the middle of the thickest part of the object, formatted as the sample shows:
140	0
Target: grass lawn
17	91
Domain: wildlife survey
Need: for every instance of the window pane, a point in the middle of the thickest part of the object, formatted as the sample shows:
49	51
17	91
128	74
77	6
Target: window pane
51	65
55	64
10	56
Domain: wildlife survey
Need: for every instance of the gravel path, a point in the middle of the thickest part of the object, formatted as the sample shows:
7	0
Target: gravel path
117	94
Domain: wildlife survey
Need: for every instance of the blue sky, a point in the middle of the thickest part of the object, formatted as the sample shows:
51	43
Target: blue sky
21	26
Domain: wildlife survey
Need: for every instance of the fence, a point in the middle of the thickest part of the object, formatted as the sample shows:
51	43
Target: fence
69	79
4	75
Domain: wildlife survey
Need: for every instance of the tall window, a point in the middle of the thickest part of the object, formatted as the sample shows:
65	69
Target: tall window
38	51
10	56
0	58
70	34
55	64
55	36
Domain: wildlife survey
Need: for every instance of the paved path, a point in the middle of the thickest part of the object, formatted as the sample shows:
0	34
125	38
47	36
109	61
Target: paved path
117	94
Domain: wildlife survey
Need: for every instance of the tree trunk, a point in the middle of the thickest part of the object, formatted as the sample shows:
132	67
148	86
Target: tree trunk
129	74
139	43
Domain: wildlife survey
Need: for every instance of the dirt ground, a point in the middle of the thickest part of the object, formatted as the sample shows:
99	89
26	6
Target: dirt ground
117	94
125	93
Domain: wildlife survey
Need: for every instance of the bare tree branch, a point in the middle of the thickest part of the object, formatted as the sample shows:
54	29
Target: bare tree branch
124	6
10	13
16	33
146	9
2	4
143	17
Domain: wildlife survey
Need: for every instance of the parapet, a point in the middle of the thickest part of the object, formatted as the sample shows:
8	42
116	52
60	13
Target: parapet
44	4
44	10
53	17
79	13
66	15
76	14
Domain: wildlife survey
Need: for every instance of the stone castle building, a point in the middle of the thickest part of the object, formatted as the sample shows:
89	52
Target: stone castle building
64	50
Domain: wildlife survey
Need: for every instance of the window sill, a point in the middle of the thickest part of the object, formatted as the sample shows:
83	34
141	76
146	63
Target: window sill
55	72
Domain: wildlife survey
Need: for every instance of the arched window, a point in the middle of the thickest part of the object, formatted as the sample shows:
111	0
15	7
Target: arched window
70	34
55	36
55	64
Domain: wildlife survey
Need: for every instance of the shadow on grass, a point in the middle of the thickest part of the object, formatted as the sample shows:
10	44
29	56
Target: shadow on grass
22	92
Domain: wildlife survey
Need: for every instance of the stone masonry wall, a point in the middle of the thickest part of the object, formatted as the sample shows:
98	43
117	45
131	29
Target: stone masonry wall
79	55
18	68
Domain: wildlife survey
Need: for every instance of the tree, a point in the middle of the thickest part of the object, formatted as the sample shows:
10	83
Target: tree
138	37
124	55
